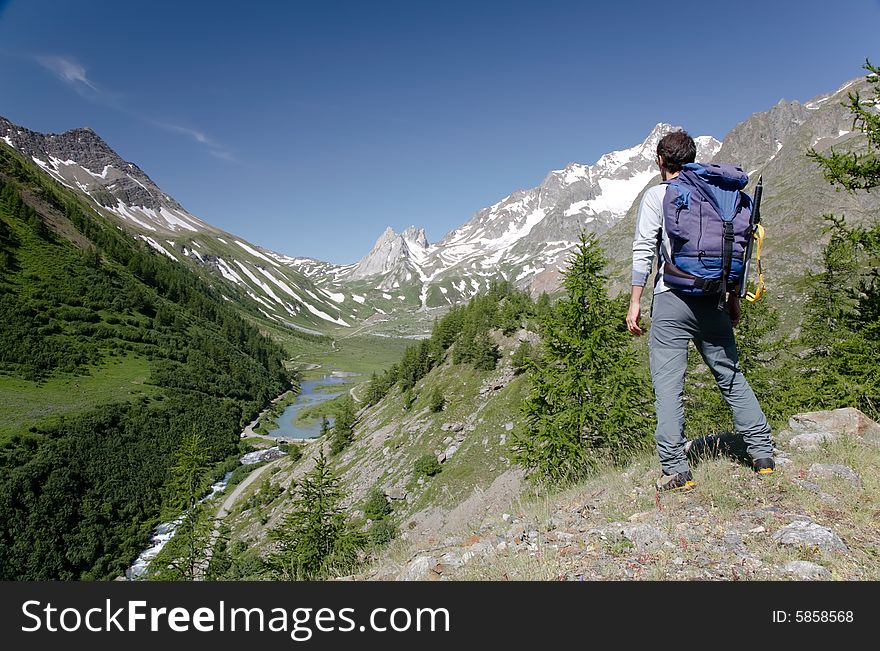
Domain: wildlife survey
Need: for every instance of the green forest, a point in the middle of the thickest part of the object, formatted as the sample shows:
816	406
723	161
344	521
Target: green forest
80	491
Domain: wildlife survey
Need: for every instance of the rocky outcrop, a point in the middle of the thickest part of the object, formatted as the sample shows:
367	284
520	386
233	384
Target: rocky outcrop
395	257
810	430
806	571
802	533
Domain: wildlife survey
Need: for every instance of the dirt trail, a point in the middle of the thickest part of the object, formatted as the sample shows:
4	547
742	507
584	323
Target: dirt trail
225	508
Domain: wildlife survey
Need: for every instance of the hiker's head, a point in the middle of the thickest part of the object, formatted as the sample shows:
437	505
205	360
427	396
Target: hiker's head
674	151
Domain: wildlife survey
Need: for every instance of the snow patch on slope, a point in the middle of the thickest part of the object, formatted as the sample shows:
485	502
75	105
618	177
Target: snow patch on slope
259	283
228	273
153	243
254	252
618	195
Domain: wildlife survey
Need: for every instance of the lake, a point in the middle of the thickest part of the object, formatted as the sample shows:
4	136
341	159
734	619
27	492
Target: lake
307	398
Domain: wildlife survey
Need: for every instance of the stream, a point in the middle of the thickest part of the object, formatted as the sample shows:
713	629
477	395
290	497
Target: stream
307	397
165	532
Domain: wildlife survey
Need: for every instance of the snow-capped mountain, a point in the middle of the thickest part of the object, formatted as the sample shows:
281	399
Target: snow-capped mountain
395	257
524	237
263	281
81	160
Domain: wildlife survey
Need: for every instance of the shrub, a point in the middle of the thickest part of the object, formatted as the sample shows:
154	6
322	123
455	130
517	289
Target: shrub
436	402
376	506
382	532
427	465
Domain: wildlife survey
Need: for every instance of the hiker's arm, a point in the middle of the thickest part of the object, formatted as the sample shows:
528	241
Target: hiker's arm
733	305
649	223
648	226
635	310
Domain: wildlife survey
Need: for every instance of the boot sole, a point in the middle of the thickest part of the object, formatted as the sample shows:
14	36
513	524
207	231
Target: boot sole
688	485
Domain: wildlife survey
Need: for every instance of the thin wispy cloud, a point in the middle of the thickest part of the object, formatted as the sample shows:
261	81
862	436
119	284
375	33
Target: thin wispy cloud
70	72
214	148
74	74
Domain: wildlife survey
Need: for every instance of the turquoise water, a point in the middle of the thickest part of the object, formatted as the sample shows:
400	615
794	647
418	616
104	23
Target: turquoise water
307	397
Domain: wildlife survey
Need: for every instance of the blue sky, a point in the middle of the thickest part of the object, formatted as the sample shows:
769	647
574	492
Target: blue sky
308	127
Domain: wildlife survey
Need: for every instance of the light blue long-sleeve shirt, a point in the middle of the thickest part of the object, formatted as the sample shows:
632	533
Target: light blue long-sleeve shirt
650	240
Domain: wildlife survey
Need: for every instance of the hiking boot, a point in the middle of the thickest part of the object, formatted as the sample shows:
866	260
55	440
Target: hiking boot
677	482
764	466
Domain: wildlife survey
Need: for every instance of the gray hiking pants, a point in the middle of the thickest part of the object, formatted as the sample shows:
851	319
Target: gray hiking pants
676	320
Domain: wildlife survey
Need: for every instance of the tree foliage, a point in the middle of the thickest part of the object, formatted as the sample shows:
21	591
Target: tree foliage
427	466
843	320
187	483
857	170
589	401
315	540
343	426
462	336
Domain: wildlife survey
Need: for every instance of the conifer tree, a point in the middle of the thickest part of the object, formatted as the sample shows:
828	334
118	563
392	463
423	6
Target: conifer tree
186	486
522	357
589	402
843	321
343	426
437	400
857	170
315	540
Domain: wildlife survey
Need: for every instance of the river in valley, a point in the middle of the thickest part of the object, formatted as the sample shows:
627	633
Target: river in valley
307	397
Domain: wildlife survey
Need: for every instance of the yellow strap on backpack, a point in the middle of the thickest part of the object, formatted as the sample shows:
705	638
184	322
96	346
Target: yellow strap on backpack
759	243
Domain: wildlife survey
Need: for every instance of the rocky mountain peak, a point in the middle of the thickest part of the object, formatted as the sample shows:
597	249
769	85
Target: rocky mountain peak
415	236
82	160
391	252
752	142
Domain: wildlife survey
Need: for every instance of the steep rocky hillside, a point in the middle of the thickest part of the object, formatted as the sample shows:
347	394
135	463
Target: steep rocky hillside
469	436
814	519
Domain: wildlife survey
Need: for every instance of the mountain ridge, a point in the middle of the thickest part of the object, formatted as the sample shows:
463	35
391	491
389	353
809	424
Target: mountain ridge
523	238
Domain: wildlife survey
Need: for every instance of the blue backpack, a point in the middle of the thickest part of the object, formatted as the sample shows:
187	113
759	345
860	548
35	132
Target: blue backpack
707	218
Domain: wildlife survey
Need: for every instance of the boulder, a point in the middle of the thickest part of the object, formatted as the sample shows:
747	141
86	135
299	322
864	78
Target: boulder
809	534
448	452
396	494
848	421
644	537
806	571
417	569
811	440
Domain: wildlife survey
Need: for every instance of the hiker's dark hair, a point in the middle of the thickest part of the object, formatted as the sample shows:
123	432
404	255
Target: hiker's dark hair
677	149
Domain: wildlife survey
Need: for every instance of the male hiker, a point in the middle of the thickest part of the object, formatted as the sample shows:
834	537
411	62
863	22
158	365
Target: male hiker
685	307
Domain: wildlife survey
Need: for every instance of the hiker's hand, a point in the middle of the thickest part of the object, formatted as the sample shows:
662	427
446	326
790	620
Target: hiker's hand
735	310
632	318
